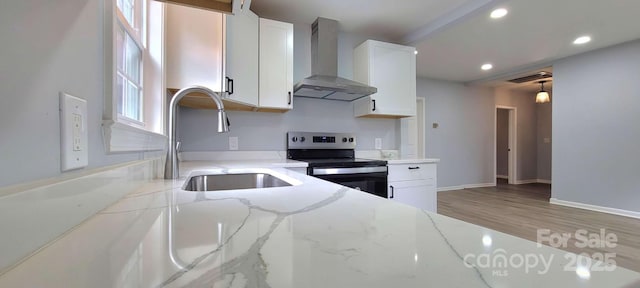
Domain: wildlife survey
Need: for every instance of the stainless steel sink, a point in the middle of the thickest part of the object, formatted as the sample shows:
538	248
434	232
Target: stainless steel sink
218	182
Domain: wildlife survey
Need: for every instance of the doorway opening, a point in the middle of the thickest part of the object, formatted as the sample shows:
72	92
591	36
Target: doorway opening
506	131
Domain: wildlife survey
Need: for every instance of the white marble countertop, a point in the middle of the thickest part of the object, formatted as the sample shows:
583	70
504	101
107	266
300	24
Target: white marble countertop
313	234
412	161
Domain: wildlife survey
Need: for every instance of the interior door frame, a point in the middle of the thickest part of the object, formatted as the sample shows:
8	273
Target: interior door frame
513	144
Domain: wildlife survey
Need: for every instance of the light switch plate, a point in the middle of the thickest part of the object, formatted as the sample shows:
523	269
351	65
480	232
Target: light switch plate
233	143
73	132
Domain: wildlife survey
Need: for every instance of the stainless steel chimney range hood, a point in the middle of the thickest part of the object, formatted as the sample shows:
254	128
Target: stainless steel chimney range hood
324	82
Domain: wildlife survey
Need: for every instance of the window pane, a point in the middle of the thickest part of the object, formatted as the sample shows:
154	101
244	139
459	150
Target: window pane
133	102
120	93
128	61
133	58
120	48
128	11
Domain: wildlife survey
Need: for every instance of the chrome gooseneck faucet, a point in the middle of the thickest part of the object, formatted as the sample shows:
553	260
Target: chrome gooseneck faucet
171	167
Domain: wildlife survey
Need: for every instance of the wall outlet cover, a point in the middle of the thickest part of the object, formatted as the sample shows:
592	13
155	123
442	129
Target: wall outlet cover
74	138
233	143
378	143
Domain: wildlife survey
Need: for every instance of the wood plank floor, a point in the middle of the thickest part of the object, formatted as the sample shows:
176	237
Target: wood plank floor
520	210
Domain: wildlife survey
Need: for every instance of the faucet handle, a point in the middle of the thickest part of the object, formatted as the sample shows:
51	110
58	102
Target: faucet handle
178	144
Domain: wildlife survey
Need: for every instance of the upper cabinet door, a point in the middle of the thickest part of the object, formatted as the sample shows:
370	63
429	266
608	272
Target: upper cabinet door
276	64
392	69
242	58
194	47
224	6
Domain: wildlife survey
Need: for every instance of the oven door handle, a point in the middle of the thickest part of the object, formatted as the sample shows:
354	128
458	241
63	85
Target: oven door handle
341	171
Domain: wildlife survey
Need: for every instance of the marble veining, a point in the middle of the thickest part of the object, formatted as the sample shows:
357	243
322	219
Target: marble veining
453	249
250	264
315	234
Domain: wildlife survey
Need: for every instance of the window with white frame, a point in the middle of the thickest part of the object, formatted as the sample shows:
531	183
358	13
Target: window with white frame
134	76
130	17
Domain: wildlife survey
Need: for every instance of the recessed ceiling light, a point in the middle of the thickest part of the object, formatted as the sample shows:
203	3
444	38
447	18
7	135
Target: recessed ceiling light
486	67
582	40
499	13
415	52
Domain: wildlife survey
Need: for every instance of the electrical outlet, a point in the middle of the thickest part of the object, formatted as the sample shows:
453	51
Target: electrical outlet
73	132
233	143
378	143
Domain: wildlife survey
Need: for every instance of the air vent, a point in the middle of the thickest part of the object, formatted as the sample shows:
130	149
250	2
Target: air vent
538	76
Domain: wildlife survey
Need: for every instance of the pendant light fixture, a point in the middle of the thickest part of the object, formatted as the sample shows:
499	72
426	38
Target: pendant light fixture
542	96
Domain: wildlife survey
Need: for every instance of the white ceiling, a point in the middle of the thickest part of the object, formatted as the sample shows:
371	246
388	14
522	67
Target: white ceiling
382	19
455	37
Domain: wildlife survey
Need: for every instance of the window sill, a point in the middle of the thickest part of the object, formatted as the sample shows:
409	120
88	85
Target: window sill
120	137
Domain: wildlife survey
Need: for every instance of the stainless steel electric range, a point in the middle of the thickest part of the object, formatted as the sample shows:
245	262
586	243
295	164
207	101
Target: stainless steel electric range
331	156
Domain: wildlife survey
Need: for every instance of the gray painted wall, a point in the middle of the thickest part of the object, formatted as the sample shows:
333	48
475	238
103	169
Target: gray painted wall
60	51
527	131
544	131
266	131
596	111
464	139
502	142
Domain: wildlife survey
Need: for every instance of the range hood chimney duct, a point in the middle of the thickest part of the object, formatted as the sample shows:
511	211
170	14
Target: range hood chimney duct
324	82
324	46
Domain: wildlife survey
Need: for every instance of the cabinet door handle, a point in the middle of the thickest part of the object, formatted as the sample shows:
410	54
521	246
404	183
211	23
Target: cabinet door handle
414	168
289	98
374	104
391	197
229	85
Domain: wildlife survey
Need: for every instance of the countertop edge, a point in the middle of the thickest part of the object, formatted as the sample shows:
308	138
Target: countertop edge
413	161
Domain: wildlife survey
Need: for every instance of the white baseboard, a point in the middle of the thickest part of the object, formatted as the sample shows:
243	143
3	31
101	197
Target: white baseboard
544	181
450	188
531	181
467	186
502	176
615	211
527	181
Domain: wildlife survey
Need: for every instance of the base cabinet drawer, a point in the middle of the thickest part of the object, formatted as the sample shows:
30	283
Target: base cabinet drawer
410	172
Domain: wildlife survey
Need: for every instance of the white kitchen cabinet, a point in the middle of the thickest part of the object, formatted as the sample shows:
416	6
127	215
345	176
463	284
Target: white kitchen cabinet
194	41
224	6
276	65
414	184
392	69
242	58
249	58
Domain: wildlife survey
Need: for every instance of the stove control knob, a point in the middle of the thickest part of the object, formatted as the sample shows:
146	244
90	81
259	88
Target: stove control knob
302	139
344	140
351	139
294	139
